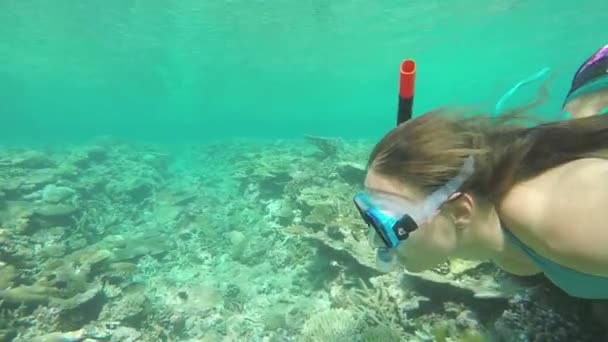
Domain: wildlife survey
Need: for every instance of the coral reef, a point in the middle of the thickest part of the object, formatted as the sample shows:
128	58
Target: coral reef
540	314
330	325
233	241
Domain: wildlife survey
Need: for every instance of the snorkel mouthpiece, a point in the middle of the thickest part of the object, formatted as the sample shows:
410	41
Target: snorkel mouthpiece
385	259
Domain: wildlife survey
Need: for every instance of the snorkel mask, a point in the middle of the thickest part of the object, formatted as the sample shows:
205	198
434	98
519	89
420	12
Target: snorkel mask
393	218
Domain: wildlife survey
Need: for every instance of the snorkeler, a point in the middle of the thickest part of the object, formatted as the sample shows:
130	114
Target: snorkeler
530	199
588	94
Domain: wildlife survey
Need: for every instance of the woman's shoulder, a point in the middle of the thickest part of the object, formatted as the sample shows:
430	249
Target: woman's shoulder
558	211
561	183
534	200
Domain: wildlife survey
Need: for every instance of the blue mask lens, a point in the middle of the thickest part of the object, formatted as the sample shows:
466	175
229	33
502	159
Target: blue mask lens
390	228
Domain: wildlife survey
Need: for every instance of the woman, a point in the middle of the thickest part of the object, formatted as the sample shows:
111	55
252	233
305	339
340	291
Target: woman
531	199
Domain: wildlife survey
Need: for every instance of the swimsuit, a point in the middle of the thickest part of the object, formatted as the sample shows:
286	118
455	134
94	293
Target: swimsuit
573	282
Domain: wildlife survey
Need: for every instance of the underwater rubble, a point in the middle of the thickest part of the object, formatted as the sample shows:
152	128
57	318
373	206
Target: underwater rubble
235	241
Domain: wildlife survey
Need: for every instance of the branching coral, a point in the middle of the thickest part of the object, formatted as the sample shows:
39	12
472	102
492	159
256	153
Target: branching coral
378	307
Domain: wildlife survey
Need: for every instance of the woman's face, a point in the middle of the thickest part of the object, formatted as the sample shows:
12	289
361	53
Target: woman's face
429	245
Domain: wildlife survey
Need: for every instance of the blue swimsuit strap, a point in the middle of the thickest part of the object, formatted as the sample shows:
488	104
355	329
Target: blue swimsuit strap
520	243
544	261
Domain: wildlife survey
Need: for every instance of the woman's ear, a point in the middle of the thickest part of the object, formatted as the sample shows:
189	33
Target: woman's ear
461	206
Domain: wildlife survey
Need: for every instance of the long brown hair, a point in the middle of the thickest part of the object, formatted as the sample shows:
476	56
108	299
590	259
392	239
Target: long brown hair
429	150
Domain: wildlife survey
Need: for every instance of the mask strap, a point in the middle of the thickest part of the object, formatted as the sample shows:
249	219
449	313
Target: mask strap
441	195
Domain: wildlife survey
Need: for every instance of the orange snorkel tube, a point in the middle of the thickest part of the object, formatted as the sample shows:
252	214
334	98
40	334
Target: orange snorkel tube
407	81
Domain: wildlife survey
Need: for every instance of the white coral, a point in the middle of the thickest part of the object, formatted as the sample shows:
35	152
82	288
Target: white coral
333	325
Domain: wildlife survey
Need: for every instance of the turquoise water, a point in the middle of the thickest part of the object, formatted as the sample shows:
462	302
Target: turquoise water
199	70
180	170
